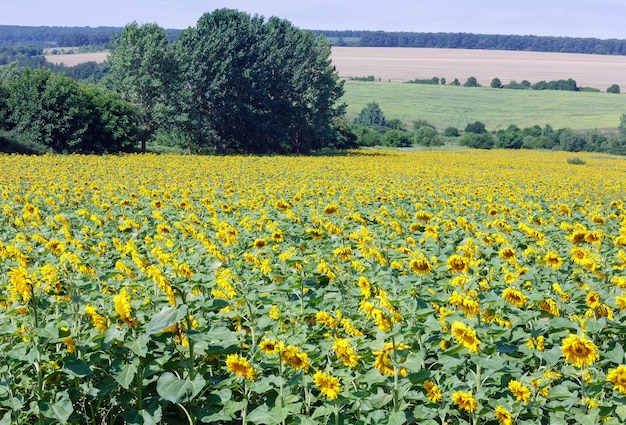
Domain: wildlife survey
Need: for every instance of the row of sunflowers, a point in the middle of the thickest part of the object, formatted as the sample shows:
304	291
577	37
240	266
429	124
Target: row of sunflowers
375	287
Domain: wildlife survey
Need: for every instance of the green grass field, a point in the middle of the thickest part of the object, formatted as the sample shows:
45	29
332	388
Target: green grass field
456	106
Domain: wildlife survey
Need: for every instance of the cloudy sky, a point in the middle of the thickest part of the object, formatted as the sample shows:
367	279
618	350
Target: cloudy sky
573	18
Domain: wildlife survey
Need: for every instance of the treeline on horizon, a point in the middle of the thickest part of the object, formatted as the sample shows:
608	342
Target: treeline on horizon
54	36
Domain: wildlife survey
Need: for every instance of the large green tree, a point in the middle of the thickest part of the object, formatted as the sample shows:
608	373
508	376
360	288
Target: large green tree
49	109
142	73
250	85
56	112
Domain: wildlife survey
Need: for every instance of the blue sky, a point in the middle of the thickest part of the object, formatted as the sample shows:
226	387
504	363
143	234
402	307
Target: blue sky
573	18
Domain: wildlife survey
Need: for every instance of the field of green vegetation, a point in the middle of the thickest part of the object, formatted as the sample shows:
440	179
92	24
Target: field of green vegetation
457	106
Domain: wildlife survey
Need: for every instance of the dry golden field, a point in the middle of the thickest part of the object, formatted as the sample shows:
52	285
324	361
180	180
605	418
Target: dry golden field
403	64
76	58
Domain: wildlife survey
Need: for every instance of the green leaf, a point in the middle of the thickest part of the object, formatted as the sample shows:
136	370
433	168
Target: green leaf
264	415
414	362
323	410
560	391
621	412
174	389
139	345
60	409
397	418
125	375
616	355
6	419
150	416
49	332
76	367
165	318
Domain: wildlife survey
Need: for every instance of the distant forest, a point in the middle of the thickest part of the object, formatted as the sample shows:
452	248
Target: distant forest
50	37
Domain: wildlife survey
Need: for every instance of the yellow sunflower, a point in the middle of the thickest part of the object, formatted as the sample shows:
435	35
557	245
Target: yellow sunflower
383	359
433	392
294	357
617	377
515	297
464	401
503	415
240	366
466	336
520	391
579	351
329	385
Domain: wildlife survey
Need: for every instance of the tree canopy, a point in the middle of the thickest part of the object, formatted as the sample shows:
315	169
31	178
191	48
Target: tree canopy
234	83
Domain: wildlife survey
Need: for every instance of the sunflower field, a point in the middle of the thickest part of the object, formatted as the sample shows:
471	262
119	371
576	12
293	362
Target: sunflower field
376	287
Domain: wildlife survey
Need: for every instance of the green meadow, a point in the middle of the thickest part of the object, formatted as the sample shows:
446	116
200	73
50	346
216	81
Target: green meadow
456	106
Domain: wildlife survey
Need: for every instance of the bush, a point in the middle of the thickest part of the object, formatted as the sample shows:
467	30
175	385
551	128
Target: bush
511	138
422	123
614	88
496	83
396	139
451	132
477	140
471	82
476	128
367	136
571	141
427	136
575	161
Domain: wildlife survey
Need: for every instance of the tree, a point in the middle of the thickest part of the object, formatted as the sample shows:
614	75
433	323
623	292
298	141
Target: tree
49	109
476	127
427	136
496	83
471	82
114	124
511	138
249	85
571	141
619	146
371	116
142	73
396	139
477	140
614	88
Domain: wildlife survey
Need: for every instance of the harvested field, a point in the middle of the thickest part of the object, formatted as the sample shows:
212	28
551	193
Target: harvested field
76	58
404	64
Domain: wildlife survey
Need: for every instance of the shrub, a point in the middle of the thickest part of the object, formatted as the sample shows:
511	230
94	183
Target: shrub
451	132
477	140
367	136
614	88
496	83
396	139
471	82
575	161
476	127
427	136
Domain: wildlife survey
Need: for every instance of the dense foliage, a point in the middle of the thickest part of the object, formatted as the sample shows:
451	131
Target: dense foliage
233	83
57	113
429	287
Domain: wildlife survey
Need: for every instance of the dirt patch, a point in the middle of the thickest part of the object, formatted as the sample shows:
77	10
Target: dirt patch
404	64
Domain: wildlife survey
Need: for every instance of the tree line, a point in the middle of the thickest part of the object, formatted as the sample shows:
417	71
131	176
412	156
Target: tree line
449	40
234	83
43	36
47	36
